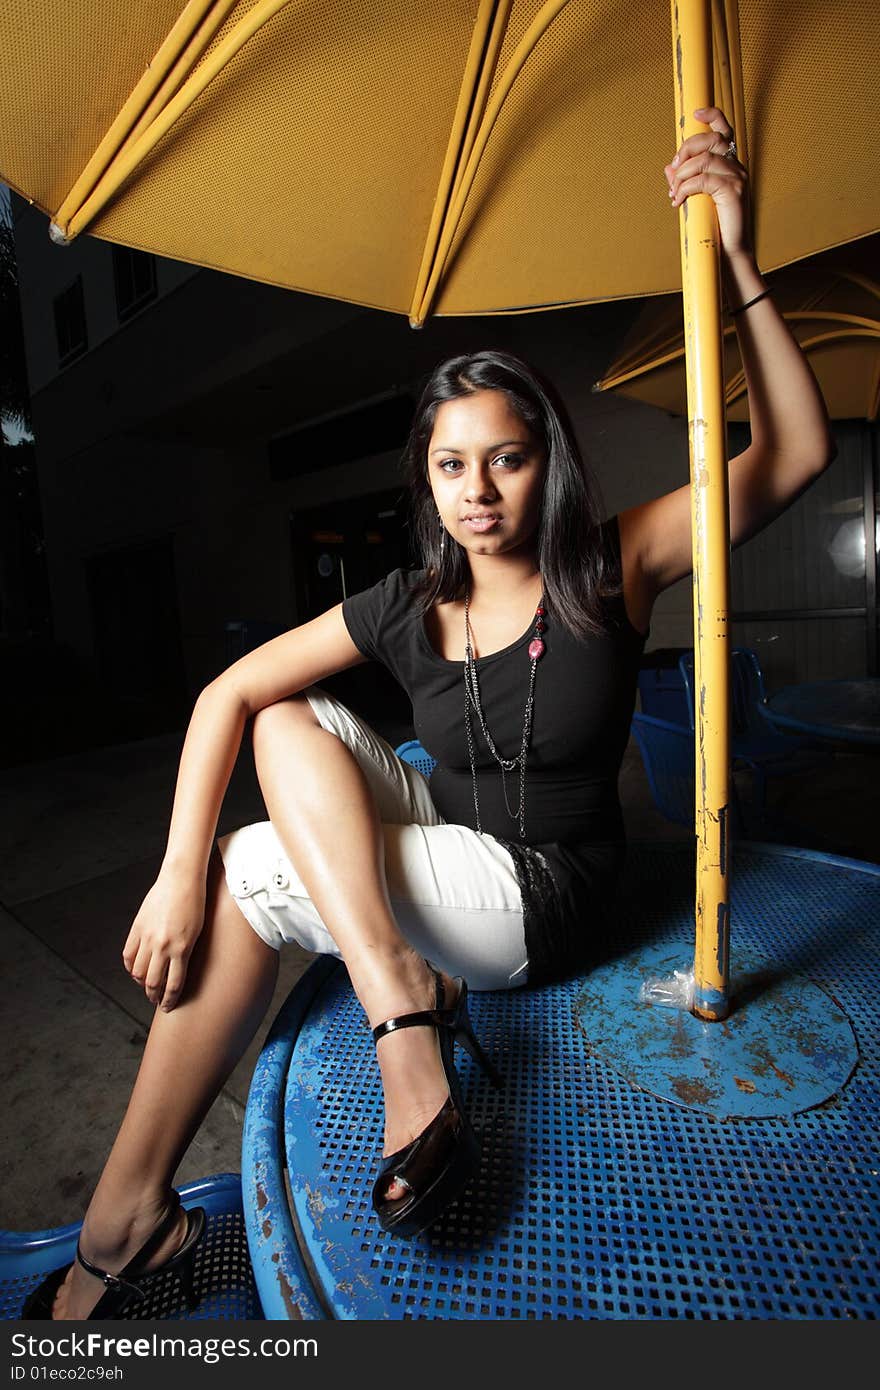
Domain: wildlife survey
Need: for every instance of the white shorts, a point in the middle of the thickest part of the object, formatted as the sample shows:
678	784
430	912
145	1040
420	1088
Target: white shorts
454	893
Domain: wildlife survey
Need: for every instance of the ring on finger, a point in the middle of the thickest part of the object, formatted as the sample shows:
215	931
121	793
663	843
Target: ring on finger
730	152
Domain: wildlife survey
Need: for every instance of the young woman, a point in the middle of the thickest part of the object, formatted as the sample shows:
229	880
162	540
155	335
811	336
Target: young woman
519	644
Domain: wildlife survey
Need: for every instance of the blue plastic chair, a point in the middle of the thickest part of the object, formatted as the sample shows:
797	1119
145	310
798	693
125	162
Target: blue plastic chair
224	1274
661	687
413	752
667	751
756	745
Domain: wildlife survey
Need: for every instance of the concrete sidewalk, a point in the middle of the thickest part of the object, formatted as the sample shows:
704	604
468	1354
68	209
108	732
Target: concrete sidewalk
82	839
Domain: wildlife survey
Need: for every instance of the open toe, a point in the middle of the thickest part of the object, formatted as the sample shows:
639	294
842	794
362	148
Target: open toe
432	1169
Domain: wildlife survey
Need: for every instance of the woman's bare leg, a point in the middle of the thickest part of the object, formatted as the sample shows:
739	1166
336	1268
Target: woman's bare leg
325	816
189	1054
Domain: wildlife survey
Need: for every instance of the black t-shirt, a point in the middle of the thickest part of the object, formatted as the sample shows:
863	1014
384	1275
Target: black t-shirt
583	702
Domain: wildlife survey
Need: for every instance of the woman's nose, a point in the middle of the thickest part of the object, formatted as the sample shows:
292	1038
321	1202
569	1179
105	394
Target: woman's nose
480	483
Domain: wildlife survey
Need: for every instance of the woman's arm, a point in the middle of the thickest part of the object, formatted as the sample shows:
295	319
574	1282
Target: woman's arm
274	671
165	930
791	437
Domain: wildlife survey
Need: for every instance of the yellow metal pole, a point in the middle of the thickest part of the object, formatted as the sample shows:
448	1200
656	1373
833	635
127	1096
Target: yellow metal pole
710	528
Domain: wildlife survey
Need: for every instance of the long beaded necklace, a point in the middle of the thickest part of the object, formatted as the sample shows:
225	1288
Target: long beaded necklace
472	700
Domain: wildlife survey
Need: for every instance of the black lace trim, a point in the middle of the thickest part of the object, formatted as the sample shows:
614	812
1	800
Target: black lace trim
550	939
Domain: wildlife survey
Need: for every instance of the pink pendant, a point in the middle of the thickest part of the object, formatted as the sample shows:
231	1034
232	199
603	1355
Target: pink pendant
536	649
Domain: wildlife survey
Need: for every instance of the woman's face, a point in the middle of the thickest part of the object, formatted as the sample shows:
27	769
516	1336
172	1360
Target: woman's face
486	471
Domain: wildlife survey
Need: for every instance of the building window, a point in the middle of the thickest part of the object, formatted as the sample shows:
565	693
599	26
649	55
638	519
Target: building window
134	273
70	322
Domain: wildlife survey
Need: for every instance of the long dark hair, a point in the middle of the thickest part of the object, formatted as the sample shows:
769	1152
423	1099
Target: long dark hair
573	562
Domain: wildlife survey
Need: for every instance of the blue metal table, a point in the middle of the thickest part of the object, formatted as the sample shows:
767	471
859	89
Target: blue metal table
845	711
599	1197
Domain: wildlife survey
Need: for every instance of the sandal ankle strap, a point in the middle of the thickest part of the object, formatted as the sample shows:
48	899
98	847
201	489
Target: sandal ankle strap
438	1017
110	1281
135	1265
425	1018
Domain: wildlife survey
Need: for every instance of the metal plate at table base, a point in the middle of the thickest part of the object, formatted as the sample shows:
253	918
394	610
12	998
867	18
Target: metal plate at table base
785	1047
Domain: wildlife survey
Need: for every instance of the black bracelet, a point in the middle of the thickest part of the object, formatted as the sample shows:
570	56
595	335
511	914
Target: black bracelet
742	308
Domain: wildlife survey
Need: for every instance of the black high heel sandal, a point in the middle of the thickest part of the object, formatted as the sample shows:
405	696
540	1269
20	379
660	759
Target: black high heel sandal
122	1287
438	1163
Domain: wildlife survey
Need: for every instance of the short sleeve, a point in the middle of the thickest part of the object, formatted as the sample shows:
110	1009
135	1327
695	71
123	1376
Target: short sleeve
363	613
381	622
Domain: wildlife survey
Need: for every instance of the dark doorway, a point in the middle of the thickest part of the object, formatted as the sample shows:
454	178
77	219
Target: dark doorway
340	549
133	596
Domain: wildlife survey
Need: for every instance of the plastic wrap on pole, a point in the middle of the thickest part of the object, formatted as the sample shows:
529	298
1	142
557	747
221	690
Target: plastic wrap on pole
691	30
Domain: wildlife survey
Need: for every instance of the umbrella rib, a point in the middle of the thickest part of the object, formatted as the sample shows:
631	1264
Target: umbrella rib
182	68
856	321
191	33
489	29
852	326
727	57
737	385
661	359
123	164
863	281
540	24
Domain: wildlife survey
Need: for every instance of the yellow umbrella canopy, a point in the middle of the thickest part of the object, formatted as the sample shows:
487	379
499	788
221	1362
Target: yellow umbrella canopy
458	157
832	305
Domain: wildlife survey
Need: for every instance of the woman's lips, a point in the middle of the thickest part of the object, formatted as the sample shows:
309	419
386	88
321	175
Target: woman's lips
481	524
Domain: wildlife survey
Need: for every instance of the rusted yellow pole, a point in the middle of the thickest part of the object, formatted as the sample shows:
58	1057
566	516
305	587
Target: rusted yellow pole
701	282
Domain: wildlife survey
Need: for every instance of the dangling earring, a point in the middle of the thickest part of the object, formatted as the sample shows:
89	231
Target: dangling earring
442	537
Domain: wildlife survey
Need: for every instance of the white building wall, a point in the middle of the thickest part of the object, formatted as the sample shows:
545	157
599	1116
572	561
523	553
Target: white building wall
46	270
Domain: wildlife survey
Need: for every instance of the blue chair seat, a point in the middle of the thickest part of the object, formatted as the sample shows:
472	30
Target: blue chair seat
413	752
223	1274
762	748
756	745
667	751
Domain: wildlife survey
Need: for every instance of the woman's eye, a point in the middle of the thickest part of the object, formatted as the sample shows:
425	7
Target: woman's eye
451	465
509	460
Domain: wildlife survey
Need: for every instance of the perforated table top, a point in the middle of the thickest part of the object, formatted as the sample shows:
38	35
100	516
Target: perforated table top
595	1199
